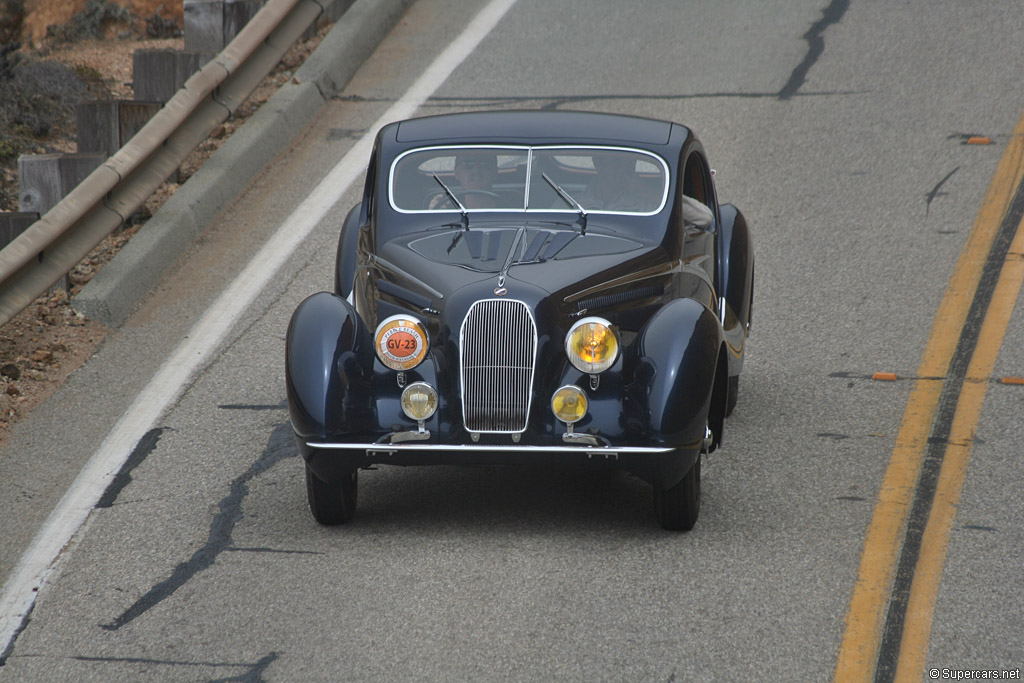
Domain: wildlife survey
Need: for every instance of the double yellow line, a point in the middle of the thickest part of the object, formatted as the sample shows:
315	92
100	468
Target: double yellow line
883	543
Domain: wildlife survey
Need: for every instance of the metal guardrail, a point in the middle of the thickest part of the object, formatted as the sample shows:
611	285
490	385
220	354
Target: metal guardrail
65	235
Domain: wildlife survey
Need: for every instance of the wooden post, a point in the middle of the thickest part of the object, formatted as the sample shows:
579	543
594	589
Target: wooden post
13	223
237	14
157	74
44	179
212	24
104	126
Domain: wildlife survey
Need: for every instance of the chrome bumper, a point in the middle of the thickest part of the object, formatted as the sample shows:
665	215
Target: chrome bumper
392	448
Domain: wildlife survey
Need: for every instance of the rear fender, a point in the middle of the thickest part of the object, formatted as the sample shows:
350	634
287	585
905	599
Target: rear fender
735	280
328	369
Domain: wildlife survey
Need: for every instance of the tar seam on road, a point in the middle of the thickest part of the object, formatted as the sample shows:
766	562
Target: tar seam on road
924	493
279	447
147	444
930	197
832	14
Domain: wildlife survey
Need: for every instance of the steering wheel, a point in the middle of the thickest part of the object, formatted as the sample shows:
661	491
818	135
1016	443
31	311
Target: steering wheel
484	193
442	199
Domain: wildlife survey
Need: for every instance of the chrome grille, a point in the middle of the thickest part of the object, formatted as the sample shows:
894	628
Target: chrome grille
499	349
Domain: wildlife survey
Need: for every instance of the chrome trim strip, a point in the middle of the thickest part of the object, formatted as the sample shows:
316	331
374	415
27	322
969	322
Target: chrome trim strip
640	276
378	447
529	149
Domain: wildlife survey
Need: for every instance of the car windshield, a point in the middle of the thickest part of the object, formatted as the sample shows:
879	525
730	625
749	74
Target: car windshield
599	179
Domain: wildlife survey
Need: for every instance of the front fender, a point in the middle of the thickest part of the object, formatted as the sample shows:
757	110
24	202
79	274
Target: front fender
328	369
676	355
345	258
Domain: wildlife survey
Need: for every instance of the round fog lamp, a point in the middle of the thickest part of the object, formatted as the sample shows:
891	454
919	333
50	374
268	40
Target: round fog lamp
419	401
569	404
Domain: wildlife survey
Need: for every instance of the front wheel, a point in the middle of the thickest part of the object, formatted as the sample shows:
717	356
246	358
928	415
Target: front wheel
332	503
677	507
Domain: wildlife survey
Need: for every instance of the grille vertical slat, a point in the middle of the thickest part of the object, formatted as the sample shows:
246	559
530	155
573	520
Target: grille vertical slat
499	349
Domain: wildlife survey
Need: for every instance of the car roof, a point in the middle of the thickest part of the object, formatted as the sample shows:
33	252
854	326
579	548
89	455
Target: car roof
532	127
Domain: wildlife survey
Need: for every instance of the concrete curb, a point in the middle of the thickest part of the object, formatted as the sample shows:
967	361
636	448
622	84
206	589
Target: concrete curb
114	293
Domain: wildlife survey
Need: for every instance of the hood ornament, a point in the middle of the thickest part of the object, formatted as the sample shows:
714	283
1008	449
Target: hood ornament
501	289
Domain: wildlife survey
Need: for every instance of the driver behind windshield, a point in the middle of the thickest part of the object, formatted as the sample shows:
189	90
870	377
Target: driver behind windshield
617	186
475	171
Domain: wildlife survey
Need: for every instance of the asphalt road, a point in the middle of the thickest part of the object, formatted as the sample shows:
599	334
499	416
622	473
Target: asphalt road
839	131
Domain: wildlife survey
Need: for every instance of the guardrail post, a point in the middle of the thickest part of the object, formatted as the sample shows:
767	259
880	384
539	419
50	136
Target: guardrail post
105	125
44	179
237	14
157	74
13	223
204	25
212	24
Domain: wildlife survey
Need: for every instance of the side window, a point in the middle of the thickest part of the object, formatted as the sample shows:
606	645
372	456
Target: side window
694	184
697	199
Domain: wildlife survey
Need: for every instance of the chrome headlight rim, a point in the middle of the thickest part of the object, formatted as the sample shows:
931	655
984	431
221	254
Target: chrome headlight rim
590	367
401	342
422	388
579	396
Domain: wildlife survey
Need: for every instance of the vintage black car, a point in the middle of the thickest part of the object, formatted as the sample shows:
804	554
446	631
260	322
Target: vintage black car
526	286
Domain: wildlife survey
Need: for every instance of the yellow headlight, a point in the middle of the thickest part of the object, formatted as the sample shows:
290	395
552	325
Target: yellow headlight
419	401
401	342
569	404
592	345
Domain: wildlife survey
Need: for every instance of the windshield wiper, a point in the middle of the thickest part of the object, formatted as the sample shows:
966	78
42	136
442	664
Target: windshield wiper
567	198
511	258
455	200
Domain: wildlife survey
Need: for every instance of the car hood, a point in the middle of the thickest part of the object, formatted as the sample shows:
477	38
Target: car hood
552	257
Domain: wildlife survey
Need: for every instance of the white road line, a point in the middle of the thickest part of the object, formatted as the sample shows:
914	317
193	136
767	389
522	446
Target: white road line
198	348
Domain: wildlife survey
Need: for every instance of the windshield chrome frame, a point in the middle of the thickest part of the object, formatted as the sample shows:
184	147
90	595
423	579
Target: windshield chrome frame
529	149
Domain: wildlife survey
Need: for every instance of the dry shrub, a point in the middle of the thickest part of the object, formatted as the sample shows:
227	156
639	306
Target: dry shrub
93	22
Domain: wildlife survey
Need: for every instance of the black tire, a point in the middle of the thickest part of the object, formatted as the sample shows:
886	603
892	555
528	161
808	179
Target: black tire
734	395
332	504
678	506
